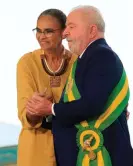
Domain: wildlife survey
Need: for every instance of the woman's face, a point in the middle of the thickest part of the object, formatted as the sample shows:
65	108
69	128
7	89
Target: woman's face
49	32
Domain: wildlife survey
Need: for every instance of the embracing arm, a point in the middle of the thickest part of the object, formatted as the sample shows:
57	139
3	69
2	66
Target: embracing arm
25	90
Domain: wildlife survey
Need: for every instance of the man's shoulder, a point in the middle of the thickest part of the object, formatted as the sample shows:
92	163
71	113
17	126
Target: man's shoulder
102	48
105	52
102	56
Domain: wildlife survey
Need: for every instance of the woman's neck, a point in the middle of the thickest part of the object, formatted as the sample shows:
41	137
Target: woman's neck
54	54
54	58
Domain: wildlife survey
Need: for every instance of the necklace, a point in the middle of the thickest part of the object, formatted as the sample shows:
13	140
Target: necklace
55	76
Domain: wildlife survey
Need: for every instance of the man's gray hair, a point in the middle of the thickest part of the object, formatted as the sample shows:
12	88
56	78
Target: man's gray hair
96	16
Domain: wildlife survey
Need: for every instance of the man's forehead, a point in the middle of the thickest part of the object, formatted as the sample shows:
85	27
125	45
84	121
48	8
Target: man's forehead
73	14
75	17
71	18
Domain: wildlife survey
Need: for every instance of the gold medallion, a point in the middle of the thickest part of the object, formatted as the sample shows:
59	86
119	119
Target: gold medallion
92	155
55	81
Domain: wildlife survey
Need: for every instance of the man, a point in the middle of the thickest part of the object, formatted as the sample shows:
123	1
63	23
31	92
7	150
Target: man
89	122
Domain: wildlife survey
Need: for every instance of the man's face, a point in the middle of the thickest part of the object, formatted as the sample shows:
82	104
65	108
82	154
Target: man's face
52	36
77	32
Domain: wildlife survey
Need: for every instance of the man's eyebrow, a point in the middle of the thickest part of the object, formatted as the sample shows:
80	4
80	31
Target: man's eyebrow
70	23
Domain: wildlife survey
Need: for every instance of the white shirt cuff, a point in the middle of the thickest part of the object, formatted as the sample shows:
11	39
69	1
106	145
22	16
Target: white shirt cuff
53	109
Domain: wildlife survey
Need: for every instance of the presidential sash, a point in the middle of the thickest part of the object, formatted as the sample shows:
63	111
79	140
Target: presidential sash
89	136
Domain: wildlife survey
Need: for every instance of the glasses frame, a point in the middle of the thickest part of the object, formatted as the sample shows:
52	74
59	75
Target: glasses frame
48	32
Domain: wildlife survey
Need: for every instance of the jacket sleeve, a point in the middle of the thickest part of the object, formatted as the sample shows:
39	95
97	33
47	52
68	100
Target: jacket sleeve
25	88
100	77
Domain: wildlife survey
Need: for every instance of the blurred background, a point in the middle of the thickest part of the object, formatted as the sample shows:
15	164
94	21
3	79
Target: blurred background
17	19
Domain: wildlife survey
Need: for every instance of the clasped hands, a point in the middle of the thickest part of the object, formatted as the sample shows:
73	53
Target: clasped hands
39	105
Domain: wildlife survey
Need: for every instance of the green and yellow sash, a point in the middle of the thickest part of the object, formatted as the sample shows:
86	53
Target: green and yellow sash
89	137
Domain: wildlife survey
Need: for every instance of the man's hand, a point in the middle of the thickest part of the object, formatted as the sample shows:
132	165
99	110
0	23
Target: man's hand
127	114
39	105
32	118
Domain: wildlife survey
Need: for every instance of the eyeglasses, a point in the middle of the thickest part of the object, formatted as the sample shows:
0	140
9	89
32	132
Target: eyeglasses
48	32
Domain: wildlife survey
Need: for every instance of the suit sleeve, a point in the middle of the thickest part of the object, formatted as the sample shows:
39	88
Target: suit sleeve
100	77
25	89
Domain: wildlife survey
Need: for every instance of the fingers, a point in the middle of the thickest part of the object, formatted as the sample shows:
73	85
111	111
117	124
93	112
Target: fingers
50	98
38	105
31	113
127	115
40	97
32	101
31	106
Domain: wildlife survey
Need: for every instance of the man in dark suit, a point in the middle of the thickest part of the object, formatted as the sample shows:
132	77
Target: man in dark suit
89	122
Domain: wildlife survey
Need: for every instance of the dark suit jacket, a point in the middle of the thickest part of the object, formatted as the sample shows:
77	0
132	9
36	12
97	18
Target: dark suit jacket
97	73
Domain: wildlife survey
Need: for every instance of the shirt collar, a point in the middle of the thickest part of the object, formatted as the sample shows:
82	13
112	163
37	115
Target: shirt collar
85	49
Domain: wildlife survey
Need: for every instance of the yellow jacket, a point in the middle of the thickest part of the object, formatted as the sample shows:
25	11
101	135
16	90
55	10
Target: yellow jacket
35	146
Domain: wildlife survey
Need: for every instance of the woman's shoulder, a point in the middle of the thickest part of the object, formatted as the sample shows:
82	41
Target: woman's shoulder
70	56
30	56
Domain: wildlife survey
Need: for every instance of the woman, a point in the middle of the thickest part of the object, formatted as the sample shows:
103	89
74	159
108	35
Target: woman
44	71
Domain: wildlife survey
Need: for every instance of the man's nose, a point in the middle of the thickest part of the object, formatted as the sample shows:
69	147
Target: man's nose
65	33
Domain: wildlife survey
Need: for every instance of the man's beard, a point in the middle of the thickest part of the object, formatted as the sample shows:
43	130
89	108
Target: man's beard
74	49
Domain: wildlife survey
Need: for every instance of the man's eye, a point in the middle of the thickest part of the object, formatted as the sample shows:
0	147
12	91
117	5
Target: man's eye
71	27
